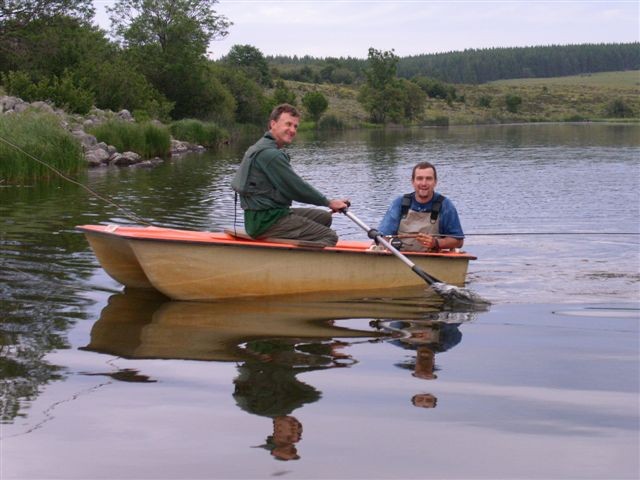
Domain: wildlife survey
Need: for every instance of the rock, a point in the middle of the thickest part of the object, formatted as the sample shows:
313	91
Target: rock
125	115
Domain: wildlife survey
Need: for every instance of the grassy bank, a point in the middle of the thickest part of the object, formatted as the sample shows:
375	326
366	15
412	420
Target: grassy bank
146	139
29	136
596	97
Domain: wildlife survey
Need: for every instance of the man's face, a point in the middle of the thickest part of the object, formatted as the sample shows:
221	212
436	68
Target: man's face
424	184
284	129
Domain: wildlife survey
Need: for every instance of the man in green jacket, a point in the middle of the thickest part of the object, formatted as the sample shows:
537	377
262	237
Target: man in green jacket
267	185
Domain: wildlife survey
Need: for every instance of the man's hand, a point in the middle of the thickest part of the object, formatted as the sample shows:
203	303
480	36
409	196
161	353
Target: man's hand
337	204
428	241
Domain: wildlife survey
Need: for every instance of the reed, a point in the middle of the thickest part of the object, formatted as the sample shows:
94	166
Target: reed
146	139
207	134
33	144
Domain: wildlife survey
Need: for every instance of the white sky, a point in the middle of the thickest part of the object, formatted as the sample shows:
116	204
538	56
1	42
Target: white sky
342	28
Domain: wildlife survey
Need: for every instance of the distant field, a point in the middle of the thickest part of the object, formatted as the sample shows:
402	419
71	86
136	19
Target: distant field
627	79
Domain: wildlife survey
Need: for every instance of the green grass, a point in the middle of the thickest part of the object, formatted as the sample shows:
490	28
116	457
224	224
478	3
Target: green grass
557	99
207	134
30	141
146	139
627	79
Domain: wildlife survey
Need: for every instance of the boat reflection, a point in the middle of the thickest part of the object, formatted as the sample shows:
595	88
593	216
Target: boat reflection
273	340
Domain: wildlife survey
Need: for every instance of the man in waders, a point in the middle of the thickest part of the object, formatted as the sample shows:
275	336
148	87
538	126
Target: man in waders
267	186
423	220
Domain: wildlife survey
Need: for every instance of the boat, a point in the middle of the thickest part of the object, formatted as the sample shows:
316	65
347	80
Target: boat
205	266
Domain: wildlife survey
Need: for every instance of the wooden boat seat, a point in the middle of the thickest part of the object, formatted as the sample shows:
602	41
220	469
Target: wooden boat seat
241	233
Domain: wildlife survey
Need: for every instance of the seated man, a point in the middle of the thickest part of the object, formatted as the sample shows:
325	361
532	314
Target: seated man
423	220
267	186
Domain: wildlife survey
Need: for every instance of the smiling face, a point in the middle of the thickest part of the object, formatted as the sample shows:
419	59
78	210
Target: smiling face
284	129
424	183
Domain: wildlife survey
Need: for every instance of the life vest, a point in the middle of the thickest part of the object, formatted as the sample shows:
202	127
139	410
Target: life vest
253	187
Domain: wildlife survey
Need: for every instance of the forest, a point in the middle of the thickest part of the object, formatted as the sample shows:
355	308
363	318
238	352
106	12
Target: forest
154	62
475	66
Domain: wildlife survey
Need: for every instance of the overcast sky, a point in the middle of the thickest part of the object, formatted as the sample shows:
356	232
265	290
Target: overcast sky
342	28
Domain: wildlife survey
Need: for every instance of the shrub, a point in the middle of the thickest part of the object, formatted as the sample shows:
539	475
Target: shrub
146	139
619	109
484	101
63	91
331	122
46	143
207	134
513	102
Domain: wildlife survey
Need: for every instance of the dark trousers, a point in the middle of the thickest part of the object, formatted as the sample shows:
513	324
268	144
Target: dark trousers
311	224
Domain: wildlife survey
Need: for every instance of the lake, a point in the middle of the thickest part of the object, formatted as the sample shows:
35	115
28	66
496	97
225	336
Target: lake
97	382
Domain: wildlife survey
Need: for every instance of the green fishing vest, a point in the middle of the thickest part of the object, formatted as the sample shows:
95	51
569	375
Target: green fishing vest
252	185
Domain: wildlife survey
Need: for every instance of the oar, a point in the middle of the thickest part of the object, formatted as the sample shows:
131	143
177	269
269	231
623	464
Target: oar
446	291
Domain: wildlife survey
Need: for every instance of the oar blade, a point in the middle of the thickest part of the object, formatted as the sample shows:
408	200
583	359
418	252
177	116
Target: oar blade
458	295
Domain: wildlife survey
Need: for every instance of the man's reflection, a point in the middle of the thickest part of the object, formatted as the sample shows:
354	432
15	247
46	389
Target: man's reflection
435	334
267	385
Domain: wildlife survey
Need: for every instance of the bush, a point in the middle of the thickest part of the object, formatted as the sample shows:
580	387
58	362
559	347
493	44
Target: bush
146	139
484	101
207	134
331	122
619	109
38	144
63	92
513	102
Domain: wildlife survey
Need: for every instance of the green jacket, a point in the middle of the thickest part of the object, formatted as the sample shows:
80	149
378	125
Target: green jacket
267	185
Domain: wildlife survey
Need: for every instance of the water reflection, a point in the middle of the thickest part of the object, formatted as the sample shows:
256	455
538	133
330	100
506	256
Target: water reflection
436	333
274	340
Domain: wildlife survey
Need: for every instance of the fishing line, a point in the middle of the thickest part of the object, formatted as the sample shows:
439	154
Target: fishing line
131	215
513	234
127	212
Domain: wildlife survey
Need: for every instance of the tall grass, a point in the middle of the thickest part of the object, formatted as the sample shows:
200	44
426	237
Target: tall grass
146	139
207	134
45	143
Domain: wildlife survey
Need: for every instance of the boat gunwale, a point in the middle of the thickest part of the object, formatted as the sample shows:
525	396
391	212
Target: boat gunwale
256	244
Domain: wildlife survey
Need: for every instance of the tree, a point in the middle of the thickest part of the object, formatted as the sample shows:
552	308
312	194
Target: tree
316	104
382	95
250	101
168	23
17	13
414	100
167	40
252	61
381	68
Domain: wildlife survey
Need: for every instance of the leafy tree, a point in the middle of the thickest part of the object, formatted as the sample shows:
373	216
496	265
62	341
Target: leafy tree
382	96
251	61
250	101
283	94
52	46
167	41
168	23
316	104
414	100
381	68
18	13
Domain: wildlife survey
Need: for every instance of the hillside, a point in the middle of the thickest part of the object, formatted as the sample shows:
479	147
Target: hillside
556	99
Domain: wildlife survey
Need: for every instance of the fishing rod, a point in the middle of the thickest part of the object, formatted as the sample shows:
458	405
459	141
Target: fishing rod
414	235
128	213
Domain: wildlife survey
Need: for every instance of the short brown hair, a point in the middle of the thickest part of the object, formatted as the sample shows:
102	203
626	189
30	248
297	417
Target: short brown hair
422	165
283	108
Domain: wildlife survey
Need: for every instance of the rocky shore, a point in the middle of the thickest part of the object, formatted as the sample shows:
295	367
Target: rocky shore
97	154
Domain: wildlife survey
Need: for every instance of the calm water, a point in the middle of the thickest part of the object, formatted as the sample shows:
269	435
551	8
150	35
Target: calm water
100	383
